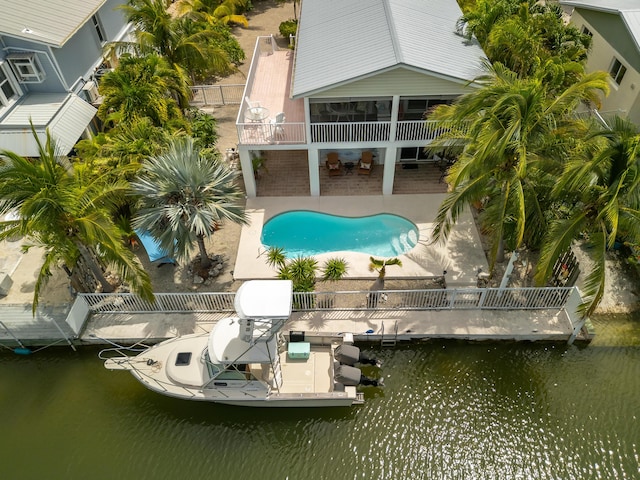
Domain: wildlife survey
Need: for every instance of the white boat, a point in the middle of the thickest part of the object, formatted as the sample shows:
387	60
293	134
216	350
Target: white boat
245	360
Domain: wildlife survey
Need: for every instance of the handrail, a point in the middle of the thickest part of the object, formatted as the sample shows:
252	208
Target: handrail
526	298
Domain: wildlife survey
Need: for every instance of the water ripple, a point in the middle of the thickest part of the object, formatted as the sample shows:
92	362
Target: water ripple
448	411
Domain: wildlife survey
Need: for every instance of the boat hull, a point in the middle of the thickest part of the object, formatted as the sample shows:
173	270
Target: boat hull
245	361
155	369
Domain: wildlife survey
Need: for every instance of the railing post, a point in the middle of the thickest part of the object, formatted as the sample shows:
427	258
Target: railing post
222	95
204	95
481	300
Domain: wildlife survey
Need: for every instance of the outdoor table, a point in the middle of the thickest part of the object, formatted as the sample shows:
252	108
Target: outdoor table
348	167
256	114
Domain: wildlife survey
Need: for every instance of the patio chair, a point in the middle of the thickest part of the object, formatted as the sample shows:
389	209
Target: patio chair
365	165
277	130
251	104
334	165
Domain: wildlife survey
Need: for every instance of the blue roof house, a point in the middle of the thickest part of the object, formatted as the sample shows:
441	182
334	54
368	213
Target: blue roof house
49	53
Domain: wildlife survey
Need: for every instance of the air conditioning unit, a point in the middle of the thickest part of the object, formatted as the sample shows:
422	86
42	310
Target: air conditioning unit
91	91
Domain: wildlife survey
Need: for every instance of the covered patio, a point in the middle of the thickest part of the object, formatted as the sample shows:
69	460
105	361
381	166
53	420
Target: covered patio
286	173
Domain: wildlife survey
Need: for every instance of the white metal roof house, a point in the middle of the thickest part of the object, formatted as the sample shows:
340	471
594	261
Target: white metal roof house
362	76
49	53
615	28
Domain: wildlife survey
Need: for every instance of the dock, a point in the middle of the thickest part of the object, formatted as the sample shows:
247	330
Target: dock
370	326
532	315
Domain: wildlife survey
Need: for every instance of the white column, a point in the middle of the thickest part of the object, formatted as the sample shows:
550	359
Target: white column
389	173
314	172
395	107
247	172
307	121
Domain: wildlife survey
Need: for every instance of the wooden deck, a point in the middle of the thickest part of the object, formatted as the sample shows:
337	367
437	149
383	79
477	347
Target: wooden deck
272	86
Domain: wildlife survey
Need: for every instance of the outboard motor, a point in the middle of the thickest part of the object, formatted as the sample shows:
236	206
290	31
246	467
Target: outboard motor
351	376
350	355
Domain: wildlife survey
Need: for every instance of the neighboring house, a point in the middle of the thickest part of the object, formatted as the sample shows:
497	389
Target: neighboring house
362	77
49	53
615	28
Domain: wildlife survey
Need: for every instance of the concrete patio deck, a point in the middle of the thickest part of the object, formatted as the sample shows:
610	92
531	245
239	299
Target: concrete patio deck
462	256
366	326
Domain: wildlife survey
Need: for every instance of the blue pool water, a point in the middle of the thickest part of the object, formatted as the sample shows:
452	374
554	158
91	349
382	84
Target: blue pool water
306	233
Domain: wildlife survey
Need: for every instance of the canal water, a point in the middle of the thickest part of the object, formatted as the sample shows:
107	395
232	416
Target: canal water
449	411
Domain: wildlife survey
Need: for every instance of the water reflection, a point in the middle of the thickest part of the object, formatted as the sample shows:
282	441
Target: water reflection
449	410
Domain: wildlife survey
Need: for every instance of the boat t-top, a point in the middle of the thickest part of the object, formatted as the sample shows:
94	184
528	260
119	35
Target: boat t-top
246	360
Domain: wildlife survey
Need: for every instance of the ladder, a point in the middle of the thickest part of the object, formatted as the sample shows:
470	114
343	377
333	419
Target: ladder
392	338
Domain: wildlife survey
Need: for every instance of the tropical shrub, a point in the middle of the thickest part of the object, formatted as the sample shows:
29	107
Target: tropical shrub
303	271
288	27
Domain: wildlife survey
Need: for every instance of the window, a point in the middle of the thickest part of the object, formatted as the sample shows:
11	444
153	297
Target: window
617	71
586	31
99	30
419	108
26	67
7	91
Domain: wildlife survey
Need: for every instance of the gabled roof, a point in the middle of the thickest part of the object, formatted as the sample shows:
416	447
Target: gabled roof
66	116
51	22
343	40
629	10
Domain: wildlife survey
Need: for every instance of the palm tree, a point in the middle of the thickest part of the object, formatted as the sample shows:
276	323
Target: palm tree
524	35
604	192
140	87
67	212
303	271
185	42
202	48
184	197
381	267
479	21
505	128
223	11
121	151
527	39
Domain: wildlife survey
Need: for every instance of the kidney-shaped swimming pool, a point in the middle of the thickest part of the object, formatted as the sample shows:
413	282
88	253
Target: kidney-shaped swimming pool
306	233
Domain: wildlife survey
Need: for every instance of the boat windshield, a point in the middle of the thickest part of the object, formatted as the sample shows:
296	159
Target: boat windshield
218	371
213	369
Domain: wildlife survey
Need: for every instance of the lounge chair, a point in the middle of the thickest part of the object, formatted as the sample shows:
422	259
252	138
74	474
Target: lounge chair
334	165
365	165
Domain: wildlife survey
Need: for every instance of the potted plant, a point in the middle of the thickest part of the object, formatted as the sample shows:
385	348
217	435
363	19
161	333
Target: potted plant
259	164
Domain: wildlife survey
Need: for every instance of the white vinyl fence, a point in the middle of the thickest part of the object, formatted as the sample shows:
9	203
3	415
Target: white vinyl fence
433	299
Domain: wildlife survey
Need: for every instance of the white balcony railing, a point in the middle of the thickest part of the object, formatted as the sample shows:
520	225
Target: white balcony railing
350	132
268	134
418	130
337	132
